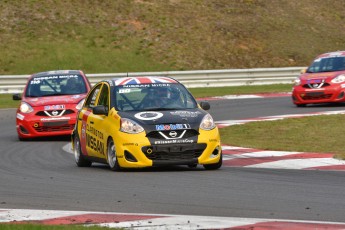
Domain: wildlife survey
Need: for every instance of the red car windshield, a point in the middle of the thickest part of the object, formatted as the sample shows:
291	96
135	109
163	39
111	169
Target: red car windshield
50	85
328	64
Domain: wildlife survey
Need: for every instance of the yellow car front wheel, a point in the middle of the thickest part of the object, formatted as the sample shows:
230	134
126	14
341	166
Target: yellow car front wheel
214	166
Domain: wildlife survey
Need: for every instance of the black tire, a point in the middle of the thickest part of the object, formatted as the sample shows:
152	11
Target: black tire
301	105
111	156
214	166
192	166
78	155
23	139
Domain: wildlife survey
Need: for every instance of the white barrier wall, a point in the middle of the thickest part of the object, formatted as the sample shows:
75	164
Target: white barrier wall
191	79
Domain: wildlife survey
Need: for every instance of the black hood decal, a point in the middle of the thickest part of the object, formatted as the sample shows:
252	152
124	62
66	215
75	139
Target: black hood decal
168	126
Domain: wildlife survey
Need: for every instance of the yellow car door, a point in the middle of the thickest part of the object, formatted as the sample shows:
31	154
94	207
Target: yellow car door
97	129
85	126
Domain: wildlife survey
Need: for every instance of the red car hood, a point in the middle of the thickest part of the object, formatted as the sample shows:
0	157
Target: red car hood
327	76
54	100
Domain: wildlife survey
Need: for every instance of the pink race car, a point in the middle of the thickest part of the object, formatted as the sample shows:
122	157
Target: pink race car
322	82
50	102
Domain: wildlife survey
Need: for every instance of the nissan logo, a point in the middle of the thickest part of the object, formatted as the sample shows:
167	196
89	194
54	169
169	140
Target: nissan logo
55	113
173	134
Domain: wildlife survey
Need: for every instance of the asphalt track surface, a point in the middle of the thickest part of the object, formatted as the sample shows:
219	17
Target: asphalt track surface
39	174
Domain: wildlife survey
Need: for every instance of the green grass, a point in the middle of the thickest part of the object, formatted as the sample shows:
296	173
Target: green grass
323	134
142	36
6	101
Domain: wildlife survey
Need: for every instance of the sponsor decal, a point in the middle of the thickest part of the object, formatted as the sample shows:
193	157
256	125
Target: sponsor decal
185	113
126	144
20	117
185	141
313	81
54	107
83	130
55	118
94	139
94	131
76	96
342	86
124	90
212	140
172	127
37	80
149	115
94	144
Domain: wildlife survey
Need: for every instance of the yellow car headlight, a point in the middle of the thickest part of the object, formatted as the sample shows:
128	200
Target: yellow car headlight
207	123
129	126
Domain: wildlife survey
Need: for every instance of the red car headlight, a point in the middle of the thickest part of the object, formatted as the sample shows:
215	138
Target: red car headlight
80	104
339	79
25	108
297	81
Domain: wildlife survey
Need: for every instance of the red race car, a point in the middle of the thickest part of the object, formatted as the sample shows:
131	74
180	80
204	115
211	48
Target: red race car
50	102
322	82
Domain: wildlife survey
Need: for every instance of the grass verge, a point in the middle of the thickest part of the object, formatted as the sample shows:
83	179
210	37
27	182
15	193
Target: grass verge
320	134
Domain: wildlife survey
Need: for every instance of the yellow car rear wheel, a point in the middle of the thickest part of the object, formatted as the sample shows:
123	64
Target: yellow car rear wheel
111	155
78	156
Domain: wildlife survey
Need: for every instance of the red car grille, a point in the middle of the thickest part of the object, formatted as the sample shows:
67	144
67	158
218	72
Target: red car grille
50	112
310	86
50	128
316	97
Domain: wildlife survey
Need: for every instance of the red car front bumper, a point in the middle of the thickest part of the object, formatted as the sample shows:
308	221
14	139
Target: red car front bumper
31	125
301	95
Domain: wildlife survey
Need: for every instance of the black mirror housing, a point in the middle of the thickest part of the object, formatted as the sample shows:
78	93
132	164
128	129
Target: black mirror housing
100	110
17	97
205	105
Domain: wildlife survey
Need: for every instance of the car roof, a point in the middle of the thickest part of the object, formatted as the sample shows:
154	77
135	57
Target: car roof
54	72
332	54
140	80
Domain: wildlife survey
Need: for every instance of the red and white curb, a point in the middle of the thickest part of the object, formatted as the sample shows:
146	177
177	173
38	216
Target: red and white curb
254	158
153	221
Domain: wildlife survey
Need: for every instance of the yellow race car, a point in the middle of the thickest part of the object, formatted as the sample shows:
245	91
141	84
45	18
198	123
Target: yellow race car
138	122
